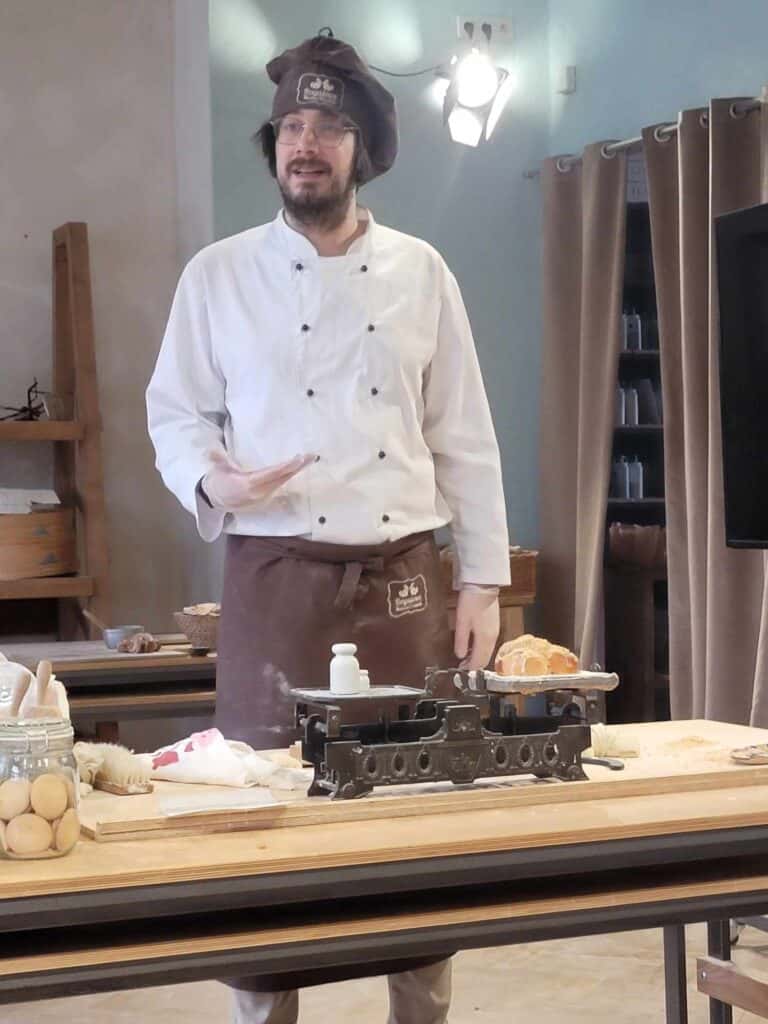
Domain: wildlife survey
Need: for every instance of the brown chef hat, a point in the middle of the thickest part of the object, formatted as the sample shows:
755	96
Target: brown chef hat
328	74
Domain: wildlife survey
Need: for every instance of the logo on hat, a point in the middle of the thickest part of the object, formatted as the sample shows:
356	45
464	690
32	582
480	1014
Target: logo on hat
320	90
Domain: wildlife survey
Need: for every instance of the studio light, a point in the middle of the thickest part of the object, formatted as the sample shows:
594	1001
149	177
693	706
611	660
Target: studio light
498	103
465	126
476	80
477	93
472	89
478	90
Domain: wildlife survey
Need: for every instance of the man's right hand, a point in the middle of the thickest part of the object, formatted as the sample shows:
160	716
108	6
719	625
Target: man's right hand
230	487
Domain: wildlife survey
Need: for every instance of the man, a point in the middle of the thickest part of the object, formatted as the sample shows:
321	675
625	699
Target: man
318	398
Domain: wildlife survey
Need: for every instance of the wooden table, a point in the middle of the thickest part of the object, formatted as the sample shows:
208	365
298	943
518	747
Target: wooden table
108	687
331	895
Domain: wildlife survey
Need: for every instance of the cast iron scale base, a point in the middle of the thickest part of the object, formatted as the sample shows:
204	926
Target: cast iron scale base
396	735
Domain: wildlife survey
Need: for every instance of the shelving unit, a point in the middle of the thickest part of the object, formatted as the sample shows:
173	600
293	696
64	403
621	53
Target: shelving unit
42	430
636	597
56	587
54	602
631	636
641	430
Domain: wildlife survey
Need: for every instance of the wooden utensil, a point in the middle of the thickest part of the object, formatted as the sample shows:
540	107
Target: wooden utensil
19	693
42	709
19	687
94	620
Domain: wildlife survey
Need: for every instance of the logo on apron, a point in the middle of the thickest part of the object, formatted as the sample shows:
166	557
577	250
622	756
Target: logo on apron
406	597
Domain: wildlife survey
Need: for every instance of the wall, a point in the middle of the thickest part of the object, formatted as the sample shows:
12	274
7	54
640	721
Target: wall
473	205
638	64
104	118
203	563
87	130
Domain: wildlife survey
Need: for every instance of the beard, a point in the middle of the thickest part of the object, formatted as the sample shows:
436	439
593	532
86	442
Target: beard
323	207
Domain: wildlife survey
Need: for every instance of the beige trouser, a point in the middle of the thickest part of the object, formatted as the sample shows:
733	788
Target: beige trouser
415	997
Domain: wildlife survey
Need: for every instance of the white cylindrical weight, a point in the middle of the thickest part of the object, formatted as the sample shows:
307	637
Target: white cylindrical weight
345	669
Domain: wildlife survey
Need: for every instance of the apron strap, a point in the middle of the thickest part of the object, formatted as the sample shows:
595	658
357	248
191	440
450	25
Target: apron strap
350	581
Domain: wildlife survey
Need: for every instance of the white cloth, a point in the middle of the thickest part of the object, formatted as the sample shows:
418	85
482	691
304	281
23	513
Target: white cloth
365	360
206	758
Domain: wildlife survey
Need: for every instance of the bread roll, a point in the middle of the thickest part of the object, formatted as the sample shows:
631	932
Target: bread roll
562	662
525	640
139	643
528	642
529	655
523	663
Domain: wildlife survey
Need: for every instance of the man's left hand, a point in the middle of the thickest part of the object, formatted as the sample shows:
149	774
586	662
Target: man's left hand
477	627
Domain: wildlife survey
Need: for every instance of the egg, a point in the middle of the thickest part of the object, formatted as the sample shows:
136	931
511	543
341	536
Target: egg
68	831
28	833
49	796
14	798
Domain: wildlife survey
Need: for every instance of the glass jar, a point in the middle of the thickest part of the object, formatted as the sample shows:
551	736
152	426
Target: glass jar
39	789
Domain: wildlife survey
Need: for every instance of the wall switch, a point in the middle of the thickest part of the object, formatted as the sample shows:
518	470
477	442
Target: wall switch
501	29
566	79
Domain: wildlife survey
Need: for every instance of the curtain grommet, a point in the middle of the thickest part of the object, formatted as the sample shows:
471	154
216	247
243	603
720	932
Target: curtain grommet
735	113
606	153
662	133
564	165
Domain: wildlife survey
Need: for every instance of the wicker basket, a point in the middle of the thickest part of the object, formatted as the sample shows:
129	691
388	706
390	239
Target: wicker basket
200	630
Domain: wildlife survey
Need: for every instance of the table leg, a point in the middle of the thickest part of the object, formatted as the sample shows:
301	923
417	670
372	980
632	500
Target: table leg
719	945
675	980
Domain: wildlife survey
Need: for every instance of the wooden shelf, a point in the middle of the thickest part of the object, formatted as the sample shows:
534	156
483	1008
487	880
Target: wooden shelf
41	430
78	478
46	586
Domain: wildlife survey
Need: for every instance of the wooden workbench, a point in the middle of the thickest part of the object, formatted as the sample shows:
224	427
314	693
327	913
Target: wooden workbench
109	687
139	913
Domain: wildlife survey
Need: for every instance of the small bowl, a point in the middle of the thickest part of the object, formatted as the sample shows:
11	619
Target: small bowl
112	637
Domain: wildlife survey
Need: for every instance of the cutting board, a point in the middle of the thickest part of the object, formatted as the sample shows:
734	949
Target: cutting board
674	757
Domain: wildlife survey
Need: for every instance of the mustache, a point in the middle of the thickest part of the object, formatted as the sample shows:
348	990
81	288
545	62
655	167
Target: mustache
307	165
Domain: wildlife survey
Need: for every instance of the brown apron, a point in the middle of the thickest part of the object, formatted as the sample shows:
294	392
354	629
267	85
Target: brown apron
286	600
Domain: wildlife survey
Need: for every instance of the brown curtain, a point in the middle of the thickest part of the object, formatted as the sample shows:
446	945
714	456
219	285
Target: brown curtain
583	268
718	609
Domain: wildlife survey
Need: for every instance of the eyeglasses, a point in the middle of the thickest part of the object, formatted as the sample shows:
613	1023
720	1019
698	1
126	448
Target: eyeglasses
329	134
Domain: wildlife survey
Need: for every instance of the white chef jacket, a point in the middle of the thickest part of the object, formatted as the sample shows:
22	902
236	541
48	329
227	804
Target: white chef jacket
364	360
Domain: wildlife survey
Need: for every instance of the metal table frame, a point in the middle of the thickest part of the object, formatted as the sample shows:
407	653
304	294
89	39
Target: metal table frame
164	910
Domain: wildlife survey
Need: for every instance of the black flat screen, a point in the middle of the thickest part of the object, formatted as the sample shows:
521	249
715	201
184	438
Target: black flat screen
742	270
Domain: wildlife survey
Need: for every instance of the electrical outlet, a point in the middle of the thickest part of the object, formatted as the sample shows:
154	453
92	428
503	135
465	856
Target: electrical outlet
501	28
